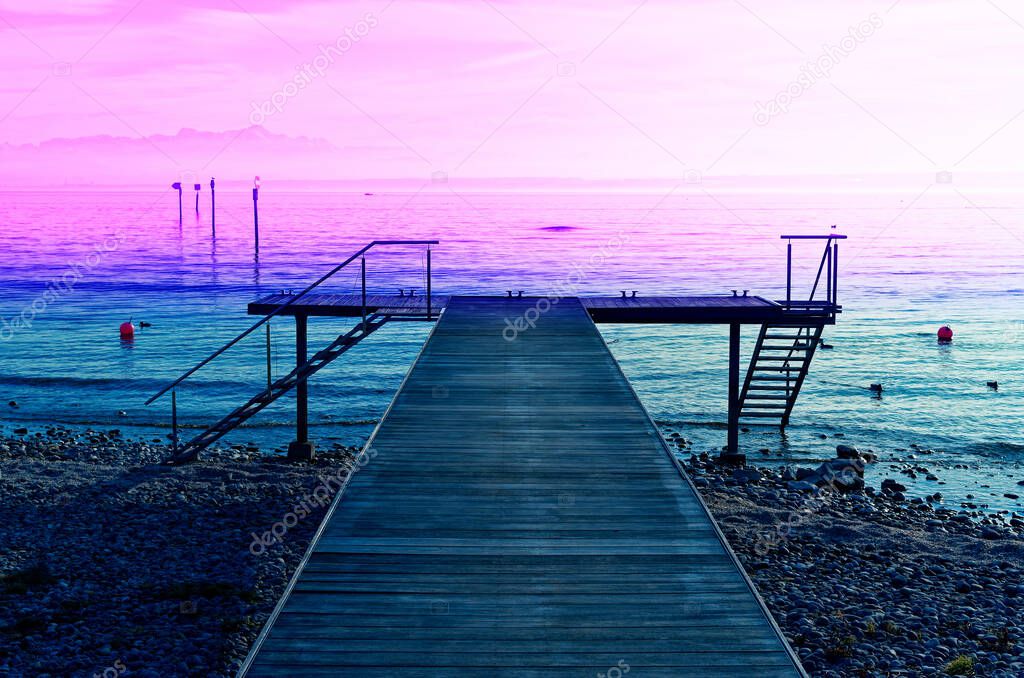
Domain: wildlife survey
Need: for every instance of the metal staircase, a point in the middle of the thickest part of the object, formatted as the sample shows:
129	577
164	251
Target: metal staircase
305	367
321	359
781	360
784	349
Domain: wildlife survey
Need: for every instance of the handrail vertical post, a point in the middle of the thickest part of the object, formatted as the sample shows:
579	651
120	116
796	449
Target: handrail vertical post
174	422
362	275
835	275
428	282
789	272
828	273
269	373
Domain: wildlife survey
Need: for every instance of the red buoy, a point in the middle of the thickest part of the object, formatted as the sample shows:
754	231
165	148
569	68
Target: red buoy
945	333
127	330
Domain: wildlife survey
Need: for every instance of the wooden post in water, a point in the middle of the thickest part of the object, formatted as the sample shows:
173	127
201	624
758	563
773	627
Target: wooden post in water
213	207
732	455
177	185
301	449
428	282
256	214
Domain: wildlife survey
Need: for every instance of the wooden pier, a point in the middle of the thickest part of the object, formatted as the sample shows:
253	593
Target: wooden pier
519	515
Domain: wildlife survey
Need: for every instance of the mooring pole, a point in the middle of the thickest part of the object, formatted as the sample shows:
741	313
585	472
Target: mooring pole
213	207
428	282
732	452
197	187
256	215
177	186
301	449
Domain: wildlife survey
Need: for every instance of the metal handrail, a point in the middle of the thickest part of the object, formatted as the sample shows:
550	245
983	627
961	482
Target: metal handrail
829	265
288	303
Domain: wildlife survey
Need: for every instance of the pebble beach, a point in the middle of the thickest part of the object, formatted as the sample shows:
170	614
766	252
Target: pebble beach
115	564
112	562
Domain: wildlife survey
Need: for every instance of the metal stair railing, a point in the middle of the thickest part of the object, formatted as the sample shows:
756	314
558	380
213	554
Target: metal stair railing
278	388
828	267
360	254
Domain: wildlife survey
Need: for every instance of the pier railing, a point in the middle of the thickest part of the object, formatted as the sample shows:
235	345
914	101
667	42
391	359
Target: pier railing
360	255
828	269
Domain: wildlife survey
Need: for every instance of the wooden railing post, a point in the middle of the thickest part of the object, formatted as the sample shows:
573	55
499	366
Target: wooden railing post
428	282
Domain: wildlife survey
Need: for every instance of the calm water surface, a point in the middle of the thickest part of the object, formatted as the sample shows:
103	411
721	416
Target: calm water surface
909	267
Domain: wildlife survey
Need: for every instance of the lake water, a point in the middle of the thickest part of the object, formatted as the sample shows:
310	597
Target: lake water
912	263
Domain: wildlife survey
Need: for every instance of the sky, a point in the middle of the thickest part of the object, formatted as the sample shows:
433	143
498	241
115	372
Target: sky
527	88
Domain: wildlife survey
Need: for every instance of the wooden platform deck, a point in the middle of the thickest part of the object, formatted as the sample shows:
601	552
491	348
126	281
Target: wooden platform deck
658	309
519	515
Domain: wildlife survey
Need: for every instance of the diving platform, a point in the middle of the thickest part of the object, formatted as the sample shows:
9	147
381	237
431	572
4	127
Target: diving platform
518	514
706	309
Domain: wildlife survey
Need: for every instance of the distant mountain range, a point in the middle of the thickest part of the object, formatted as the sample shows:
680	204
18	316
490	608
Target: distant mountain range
305	163
160	159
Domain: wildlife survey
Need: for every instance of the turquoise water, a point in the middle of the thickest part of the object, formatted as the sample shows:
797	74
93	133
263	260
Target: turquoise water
908	267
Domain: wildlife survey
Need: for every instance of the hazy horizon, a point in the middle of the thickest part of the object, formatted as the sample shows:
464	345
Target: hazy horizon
411	88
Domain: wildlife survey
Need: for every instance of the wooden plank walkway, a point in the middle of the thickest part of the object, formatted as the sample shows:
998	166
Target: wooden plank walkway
520	516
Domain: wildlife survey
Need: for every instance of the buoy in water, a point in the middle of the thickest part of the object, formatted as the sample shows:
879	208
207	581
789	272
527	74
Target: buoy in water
945	334
994	385
875	388
127	330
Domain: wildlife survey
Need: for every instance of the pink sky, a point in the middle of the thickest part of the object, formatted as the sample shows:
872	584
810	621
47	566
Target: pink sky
499	88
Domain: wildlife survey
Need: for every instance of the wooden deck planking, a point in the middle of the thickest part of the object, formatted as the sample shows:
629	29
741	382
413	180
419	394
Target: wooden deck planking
520	516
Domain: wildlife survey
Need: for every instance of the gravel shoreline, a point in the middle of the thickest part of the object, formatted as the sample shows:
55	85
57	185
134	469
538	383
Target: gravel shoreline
867	582
113	563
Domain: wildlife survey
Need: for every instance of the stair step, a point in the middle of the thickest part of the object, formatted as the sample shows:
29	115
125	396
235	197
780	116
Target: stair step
772	415
786	337
768	378
763	368
763	387
754	396
794	347
764	406
792	358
